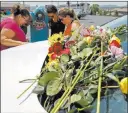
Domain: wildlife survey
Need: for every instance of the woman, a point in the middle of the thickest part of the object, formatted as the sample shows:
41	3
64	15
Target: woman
11	33
23	27
55	24
69	18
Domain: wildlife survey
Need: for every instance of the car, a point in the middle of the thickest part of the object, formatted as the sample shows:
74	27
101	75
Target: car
19	63
79	13
25	62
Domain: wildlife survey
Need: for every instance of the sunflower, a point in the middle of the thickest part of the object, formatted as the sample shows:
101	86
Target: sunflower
56	38
53	63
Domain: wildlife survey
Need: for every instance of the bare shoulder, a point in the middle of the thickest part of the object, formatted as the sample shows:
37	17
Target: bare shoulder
75	25
76	22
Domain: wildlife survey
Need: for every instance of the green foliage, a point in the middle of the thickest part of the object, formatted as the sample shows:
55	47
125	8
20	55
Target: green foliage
53	87
64	58
47	77
94	8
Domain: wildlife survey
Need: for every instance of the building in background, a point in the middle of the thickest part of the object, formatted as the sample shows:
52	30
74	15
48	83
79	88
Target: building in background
121	11
85	7
8	5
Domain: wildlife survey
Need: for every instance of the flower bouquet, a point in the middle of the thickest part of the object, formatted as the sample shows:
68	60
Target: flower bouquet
80	69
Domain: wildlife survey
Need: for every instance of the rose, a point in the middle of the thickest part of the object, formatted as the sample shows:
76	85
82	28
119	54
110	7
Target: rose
69	43
65	51
57	48
85	32
53	56
124	85
50	49
115	43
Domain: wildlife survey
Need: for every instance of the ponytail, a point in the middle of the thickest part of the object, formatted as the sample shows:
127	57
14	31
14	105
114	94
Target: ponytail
16	10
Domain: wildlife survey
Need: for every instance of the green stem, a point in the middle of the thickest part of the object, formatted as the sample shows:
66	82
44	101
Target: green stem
23	81
27	89
68	91
110	87
100	80
87	107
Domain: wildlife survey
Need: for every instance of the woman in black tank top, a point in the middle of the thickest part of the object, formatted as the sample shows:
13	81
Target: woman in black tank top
54	23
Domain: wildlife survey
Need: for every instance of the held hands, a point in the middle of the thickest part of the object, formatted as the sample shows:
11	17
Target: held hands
22	43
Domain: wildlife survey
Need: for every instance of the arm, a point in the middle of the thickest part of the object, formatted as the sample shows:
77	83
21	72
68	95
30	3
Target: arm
6	38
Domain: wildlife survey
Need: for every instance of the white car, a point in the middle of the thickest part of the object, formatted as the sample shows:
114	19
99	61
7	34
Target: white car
25	62
20	63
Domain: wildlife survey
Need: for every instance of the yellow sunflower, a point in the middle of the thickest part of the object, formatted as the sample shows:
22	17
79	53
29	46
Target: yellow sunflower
52	63
56	38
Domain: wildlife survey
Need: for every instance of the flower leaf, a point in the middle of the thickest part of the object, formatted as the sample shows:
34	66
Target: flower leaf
81	45
73	50
85	52
47	77
75	57
75	98
93	89
53	87
110	75
64	58
38	89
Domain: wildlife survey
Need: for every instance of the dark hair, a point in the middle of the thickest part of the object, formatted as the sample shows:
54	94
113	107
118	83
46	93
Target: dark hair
51	9
16	10
66	11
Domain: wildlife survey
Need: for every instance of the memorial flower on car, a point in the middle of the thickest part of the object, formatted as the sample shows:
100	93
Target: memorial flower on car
78	67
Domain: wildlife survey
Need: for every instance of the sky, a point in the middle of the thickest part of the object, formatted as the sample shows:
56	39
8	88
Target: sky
59	2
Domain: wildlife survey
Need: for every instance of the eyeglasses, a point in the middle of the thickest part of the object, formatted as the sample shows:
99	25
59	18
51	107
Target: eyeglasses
26	19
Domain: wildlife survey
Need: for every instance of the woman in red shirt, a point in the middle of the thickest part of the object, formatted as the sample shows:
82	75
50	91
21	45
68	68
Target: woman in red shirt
11	33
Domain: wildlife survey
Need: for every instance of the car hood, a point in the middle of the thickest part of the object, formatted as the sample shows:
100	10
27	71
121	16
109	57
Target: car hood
18	63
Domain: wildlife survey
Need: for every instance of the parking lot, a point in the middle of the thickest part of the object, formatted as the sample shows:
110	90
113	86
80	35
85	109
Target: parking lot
96	20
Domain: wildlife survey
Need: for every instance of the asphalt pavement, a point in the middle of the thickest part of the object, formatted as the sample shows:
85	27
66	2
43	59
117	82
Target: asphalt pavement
96	20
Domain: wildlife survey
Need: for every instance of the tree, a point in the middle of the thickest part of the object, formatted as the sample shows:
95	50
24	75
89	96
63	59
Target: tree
105	12
100	12
94	8
110	13
116	13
